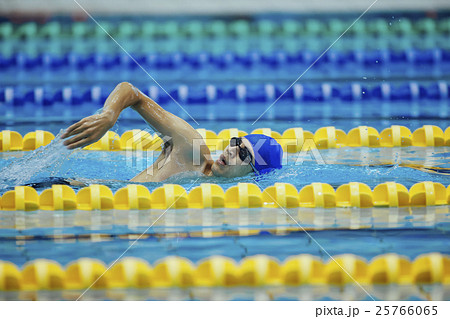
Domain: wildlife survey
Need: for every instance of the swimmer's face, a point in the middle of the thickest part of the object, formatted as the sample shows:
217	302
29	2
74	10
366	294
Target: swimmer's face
230	164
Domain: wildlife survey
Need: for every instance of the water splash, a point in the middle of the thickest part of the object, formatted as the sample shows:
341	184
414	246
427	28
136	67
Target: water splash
42	162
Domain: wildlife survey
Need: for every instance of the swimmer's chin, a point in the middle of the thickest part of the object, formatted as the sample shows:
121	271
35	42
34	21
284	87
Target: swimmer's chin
217	169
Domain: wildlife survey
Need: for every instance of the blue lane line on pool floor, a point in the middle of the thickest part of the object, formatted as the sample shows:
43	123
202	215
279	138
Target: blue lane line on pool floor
364	243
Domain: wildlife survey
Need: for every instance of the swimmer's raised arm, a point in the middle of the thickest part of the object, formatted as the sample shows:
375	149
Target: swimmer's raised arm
92	128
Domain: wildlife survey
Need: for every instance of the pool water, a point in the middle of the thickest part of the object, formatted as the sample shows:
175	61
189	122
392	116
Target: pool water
369	78
336	167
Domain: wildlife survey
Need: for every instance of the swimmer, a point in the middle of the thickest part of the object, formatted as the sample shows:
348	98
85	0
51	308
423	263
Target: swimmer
254	153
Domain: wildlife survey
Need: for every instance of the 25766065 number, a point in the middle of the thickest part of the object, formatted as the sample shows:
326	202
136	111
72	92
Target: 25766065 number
407	310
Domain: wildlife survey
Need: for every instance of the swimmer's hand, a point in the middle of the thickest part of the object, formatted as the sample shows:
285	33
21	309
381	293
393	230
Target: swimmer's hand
92	128
88	130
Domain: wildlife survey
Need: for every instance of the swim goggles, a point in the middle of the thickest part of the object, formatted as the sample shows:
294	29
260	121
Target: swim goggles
244	153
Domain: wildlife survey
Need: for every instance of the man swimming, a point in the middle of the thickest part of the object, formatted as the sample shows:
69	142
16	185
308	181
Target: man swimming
252	153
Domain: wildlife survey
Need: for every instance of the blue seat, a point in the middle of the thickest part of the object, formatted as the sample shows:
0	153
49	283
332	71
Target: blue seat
334	57
354	91
126	61
6	62
106	61
199	60
78	61
168	61
422	56
77	96
53	61
24	61
377	91
250	58
31	97
289	95
446	55
19	98
275	58
405	92
252	93
356	56
313	93
398	56
304	56
438	90
225	60
373	58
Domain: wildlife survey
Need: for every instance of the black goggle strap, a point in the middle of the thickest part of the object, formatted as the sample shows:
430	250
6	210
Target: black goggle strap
244	153
235	141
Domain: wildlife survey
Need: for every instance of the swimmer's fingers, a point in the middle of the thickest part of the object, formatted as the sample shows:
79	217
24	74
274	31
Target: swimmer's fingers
81	143
76	137
85	137
73	129
77	130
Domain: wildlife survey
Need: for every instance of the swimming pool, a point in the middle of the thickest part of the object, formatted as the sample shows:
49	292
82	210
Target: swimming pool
226	73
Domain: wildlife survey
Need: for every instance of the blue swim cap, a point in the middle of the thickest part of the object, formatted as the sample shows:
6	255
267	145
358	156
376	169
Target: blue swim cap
268	152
